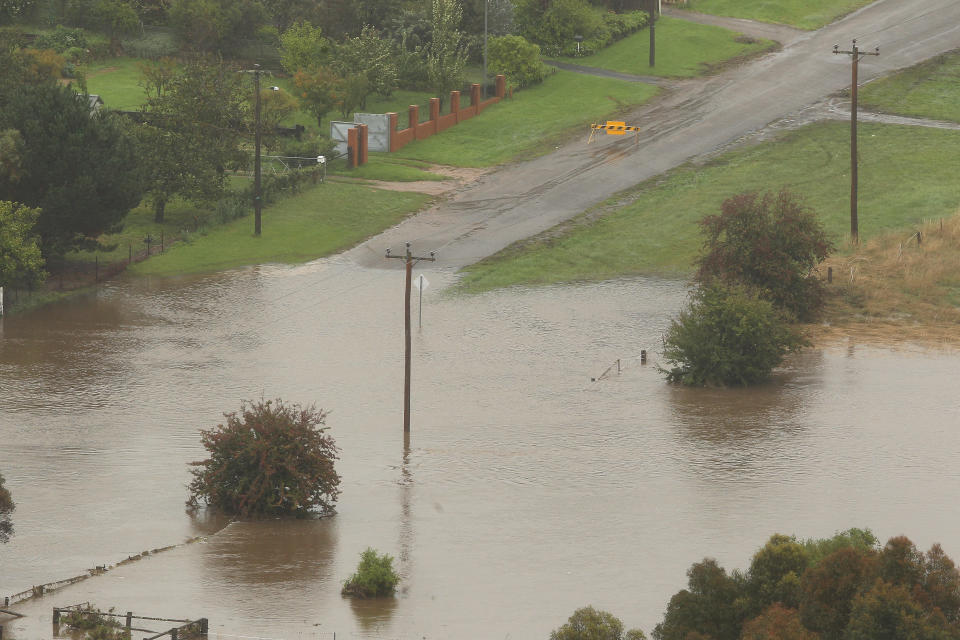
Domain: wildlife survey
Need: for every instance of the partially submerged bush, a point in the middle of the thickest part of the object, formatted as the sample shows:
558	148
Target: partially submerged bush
588	623
374	578
727	336
271	459
94	624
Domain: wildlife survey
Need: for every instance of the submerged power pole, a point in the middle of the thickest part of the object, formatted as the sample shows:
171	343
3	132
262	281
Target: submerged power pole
855	56
410	261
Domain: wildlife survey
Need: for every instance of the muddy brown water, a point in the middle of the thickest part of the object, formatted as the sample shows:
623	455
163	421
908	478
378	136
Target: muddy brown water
527	491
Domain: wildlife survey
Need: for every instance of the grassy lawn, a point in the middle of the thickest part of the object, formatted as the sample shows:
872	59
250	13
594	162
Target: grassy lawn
907	174
684	49
531	121
320	221
803	14
386	166
118	81
930	89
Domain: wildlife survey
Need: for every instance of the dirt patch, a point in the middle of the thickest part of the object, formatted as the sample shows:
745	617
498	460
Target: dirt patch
457	178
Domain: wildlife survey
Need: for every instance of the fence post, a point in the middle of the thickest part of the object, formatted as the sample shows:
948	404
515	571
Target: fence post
352	158
129	619
455	105
392	119
56	616
173	634
362	143
434	113
413	118
475	97
204	626
501	86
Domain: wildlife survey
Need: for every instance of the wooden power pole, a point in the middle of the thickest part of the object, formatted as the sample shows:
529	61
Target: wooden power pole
855	56
410	261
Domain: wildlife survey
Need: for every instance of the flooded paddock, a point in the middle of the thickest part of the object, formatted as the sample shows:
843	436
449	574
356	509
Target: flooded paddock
527	489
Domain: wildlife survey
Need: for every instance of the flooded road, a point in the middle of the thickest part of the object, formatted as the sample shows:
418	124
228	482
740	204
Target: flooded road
527	490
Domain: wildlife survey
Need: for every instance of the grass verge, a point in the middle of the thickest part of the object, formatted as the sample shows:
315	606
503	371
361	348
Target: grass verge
803	14
383	166
930	89
906	175
684	49
531	122
320	221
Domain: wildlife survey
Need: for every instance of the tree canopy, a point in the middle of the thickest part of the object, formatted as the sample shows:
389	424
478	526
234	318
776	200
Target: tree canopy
6	508
269	459
21	263
587	623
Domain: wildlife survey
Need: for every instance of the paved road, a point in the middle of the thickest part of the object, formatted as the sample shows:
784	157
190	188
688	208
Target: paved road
691	118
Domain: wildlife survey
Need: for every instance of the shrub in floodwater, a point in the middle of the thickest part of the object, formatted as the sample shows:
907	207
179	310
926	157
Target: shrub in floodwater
728	335
374	577
94	625
588	623
6	508
270	459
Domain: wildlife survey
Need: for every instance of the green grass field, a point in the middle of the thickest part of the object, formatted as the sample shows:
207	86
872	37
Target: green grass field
531	121
803	14
118	82
320	221
907	174
928	90
684	49
386	166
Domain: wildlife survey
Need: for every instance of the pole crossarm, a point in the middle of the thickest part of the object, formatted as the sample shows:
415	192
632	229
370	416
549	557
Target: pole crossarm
410	260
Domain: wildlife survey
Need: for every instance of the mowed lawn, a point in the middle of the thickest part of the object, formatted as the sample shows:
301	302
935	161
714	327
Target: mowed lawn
684	49
803	14
907	174
930	89
531	121
321	220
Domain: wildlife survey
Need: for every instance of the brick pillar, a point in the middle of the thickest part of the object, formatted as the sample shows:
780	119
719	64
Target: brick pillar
454	101
392	118
414	118
500	83
434	112
475	97
363	139
352	150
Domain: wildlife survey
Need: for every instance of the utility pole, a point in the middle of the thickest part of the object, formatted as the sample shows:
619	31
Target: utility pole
410	261
485	4
257	200
652	4
855	56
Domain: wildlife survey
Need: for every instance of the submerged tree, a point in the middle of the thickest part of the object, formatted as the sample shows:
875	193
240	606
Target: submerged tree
6	508
587	623
374	578
270	459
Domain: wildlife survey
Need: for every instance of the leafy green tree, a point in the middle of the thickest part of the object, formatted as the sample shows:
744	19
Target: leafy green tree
270	459
211	25
6	508
888	612
728	335
776	622
366	64
11	155
770	242
516	59
940	588
198	116
374	578
861	539
447	52
710	607
304	48
556	22
830	587
588	623
117	19
81	169
21	263
320	91
774	574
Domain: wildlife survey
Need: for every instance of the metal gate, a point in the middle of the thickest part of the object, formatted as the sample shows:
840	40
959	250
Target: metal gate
378	130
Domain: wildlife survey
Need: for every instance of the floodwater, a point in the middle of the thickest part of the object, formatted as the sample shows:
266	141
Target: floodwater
527	490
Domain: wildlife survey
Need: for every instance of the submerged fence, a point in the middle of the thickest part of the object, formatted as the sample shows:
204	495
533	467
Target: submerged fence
186	628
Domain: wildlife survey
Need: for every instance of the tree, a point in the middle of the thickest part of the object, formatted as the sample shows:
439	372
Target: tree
303	48
777	622
447	53
21	263
197	114
366	64
774	574
210	25
81	169
270	459
819	548
11	155
6	508
829	589
588	623
320	91
770	242
710	606
941	584
728	335
888	612
516	59
374	578
556	22
117	19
